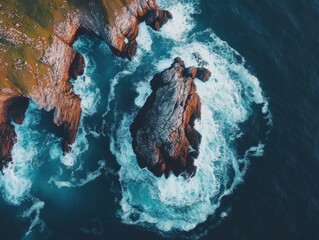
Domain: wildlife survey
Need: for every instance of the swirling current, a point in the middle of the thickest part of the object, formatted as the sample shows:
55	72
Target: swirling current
112	91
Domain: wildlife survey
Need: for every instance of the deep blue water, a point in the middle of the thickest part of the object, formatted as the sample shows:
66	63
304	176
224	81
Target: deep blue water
258	168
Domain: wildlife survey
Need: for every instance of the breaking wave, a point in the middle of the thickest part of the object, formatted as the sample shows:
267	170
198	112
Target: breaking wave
35	148
228	100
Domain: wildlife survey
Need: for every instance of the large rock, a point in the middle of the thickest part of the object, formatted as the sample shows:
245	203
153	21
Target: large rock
13	108
164	137
37	60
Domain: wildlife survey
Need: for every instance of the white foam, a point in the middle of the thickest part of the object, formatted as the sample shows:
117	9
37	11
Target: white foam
18	179
143	89
90	98
33	213
227	100
75	182
255	151
16	182
144	38
113	83
172	203
182	22
145	46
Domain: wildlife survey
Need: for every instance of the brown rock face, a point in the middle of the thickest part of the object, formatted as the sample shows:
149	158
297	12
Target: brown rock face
8	138
164	138
203	74
38	67
157	18
10	109
77	66
118	26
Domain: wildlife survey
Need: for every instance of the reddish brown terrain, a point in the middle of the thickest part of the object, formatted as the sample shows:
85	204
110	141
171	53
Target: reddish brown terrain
37	60
164	137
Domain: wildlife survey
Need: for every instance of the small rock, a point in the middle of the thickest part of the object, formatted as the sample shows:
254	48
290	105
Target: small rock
157	18
203	74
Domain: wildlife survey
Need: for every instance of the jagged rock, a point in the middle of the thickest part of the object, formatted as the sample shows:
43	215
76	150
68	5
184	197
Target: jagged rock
10	109
203	74
17	109
157	18
8	138
37	60
164	138
77	66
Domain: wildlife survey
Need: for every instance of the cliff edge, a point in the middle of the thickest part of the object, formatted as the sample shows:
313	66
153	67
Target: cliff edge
37	60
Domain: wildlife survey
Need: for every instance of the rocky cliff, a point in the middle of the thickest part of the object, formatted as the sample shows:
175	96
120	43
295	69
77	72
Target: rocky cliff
164	137
37	60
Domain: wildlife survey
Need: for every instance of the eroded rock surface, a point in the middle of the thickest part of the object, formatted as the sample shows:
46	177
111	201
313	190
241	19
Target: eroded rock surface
164	137
37	60
10	109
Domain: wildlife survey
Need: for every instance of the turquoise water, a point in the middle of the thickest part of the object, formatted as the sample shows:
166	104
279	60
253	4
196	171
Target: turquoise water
98	189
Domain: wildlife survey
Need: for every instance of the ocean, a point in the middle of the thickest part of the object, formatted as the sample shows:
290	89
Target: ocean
258	164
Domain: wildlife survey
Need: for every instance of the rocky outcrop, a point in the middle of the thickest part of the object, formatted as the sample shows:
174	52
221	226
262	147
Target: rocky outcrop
116	21
8	136
37	60
164	137
77	66
11	109
157	18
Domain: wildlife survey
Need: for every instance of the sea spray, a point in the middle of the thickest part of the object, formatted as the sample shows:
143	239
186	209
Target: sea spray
16	182
129	67
32	144
228	100
33	213
73	167
76	182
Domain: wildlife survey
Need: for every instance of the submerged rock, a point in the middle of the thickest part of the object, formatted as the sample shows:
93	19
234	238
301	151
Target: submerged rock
164	137
37	60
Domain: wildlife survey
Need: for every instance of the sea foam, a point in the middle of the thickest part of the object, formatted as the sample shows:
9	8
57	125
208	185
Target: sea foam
166	204
16	182
33	144
227	102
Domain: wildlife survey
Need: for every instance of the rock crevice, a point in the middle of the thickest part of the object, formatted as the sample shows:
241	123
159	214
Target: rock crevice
12	109
164	136
37	60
